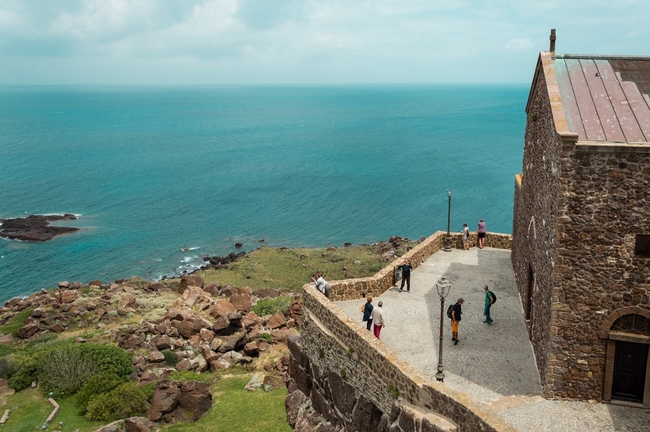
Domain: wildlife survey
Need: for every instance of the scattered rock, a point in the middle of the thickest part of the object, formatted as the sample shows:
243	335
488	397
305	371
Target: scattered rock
68	296
276	321
138	424
242	302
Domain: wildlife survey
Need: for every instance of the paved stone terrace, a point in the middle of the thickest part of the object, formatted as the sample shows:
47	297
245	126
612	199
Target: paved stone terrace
494	363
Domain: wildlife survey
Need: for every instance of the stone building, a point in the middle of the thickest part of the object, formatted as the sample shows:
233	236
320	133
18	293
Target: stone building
581	229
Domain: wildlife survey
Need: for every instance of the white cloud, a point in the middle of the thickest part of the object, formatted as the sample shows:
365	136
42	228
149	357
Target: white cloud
520	44
281	41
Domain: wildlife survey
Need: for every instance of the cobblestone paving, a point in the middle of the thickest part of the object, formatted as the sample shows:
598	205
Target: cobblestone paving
493	363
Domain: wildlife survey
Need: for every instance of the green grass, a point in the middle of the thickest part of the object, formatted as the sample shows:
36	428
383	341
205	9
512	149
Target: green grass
16	322
237	410
29	410
283	268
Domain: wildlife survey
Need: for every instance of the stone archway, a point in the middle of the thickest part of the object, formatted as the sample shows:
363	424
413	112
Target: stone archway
627	366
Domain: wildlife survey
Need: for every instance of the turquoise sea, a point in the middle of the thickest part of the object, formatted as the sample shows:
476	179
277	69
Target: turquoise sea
163	176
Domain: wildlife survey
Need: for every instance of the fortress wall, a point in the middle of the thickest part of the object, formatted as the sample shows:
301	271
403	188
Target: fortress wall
534	219
343	375
604	204
350	289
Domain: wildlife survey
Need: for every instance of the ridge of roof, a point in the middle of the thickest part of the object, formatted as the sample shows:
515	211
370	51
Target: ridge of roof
602	57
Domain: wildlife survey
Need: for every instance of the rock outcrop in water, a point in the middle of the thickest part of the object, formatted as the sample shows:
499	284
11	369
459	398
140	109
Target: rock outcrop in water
35	227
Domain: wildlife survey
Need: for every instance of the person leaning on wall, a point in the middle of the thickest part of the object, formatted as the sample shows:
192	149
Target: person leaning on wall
322	285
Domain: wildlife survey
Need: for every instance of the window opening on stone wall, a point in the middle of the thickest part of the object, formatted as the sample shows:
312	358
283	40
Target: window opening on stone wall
642	245
636	324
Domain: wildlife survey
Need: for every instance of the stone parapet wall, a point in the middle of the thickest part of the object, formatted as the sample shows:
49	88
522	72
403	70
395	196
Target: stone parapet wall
355	382
350	289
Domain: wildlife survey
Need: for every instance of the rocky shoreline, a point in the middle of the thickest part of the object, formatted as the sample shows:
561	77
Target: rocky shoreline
35	227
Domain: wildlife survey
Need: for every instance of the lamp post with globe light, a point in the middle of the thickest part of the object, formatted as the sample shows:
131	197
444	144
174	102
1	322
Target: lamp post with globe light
443	286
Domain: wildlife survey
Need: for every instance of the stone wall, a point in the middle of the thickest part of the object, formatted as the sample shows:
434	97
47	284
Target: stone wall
350	289
343	378
577	209
605	202
534	217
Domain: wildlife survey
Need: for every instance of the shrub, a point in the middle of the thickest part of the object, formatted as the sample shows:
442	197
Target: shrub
374	268
41	340
96	384
8	366
125	401
27	372
271	306
171	358
267	337
64	368
16	322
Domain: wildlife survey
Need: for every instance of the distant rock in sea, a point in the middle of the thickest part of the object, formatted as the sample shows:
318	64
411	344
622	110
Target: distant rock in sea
35	227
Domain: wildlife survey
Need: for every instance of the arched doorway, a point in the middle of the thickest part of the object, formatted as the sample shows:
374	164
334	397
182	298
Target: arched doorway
627	371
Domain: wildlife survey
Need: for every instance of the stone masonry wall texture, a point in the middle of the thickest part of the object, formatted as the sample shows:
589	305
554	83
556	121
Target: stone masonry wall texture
534	220
577	212
344	379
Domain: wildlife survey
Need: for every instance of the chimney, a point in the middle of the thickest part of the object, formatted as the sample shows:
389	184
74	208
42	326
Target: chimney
552	38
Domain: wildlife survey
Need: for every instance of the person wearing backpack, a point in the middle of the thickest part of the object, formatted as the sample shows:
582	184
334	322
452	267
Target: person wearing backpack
490	298
455	311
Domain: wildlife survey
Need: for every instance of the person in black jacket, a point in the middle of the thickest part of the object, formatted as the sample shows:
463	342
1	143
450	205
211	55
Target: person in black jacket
367	312
456	312
406	275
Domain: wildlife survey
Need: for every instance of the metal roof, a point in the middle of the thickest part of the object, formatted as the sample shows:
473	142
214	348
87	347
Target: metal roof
605	98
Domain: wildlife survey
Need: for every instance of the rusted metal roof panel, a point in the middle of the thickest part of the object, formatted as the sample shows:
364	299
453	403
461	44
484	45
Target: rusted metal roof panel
568	99
588	114
602	102
639	107
628	122
605	98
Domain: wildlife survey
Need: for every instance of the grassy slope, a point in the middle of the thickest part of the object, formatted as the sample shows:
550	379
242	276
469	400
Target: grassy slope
284	268
237	410
29	410
234	409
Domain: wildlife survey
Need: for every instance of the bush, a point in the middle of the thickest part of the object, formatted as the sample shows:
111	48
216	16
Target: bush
64	368
16	322
27	372
96	384
171	358
271	306
41	340
8	366
127	400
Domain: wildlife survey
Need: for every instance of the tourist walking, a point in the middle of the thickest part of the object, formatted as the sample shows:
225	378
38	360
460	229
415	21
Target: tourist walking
481	233
367	312
489	300
456	312
322	284
465	234
378	319
406	275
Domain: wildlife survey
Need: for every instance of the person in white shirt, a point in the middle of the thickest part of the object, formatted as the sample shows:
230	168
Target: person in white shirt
378	319
322	284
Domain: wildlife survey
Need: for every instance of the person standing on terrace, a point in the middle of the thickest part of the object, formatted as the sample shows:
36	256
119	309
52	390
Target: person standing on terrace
465	234
367	312
378	319
482	230
406	275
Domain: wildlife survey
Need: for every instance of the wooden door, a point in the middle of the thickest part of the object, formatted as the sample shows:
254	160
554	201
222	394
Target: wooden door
629	371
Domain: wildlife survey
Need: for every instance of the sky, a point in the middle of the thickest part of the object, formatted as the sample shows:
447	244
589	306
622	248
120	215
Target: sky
187	42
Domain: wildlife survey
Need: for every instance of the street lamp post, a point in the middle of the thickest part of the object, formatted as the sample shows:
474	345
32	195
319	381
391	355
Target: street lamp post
448	242
443	286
